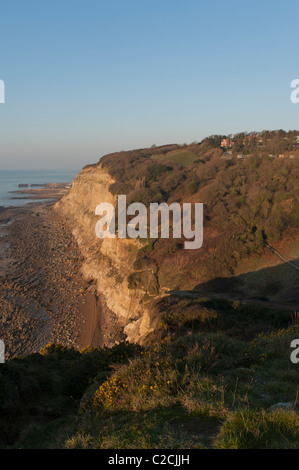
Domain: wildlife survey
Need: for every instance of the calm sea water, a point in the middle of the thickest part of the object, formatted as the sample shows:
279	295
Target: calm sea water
10	179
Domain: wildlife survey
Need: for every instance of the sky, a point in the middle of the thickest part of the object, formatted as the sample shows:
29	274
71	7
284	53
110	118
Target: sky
84	78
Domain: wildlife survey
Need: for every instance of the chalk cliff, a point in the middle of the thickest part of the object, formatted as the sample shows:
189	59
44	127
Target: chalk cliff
108	262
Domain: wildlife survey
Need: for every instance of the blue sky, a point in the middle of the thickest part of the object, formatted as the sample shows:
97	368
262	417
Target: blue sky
86	78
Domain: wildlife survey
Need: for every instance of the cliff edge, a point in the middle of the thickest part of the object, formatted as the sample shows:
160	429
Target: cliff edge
107	262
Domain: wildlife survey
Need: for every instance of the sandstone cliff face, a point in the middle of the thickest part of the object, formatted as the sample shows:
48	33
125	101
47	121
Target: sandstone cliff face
110	261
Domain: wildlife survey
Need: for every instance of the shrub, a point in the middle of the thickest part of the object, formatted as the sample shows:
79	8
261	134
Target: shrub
155	170
191	186
192	316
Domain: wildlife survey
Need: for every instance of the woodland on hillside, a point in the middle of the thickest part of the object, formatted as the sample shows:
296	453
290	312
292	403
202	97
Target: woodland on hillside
247	202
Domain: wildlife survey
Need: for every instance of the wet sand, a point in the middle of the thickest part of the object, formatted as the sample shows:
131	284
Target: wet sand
42	295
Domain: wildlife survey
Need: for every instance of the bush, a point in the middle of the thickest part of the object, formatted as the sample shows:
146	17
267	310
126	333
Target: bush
191	186
190	317
155	170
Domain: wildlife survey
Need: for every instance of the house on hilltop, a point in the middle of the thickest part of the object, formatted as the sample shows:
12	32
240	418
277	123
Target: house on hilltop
227	143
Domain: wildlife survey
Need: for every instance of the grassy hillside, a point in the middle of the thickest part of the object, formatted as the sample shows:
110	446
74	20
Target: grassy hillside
214	374
183	158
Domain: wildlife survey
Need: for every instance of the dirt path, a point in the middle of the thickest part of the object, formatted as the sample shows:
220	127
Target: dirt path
282	257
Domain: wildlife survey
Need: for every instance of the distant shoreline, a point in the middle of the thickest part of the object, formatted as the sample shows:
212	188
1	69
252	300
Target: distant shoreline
43	192
18	187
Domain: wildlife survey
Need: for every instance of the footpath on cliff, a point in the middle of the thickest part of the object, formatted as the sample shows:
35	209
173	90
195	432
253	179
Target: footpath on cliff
43	297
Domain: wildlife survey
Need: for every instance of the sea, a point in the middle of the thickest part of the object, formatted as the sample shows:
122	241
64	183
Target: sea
10	179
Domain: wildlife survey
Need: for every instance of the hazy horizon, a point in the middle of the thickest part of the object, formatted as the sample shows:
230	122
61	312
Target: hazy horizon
78	169
84	79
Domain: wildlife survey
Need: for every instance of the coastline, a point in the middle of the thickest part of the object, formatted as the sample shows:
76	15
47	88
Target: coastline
53	191
43	297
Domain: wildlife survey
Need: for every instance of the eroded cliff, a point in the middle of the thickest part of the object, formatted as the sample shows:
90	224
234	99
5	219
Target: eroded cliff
108	262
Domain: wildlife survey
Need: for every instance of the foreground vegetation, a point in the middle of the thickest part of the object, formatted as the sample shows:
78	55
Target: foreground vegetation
214	374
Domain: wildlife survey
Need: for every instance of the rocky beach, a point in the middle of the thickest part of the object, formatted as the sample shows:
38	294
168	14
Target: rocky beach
43	297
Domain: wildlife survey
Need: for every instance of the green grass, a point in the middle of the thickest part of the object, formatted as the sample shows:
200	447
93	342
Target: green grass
184	158
260	430
197	383
48	435
164	428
